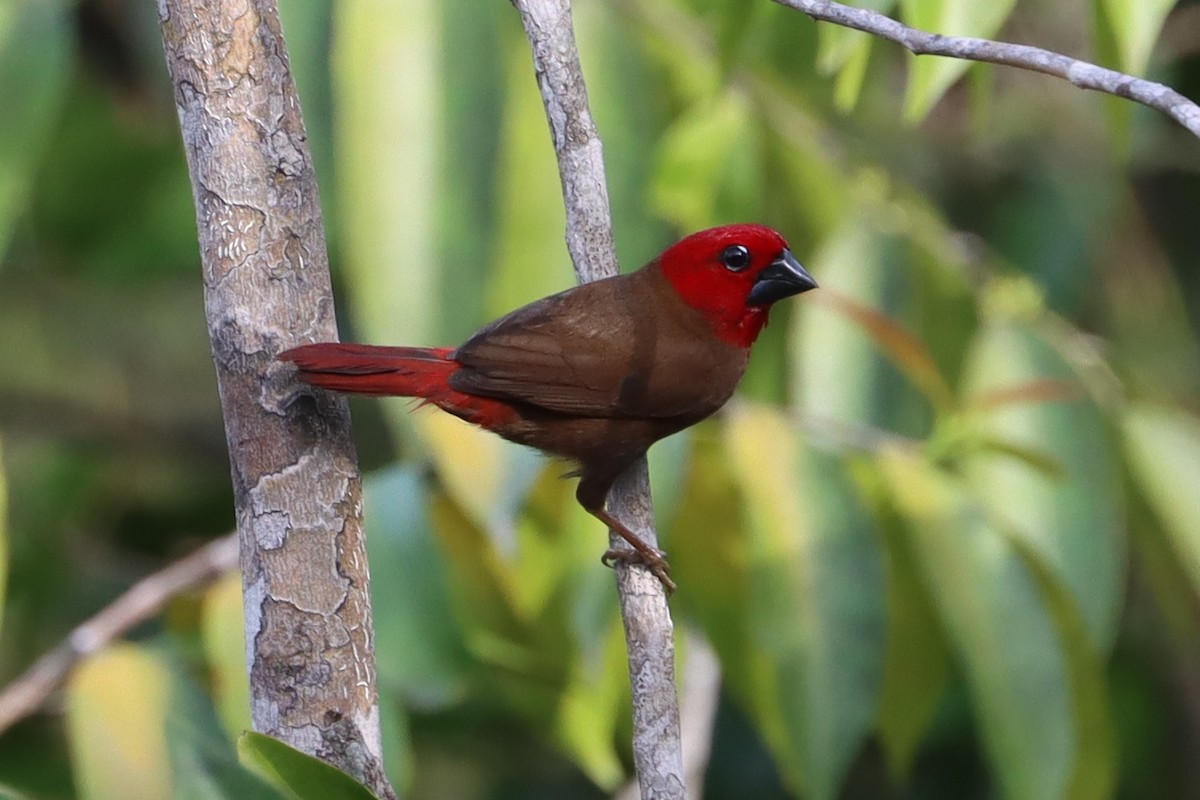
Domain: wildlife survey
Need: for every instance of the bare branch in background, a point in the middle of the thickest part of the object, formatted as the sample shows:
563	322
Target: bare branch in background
1079	73
140	602
296	482
649	631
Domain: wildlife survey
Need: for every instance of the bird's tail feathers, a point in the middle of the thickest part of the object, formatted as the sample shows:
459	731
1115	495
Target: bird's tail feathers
374	370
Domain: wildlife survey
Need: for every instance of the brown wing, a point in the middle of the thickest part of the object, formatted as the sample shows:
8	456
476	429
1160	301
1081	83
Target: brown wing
621	347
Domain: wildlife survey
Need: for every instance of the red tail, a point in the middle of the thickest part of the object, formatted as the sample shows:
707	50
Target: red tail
371	370
422	372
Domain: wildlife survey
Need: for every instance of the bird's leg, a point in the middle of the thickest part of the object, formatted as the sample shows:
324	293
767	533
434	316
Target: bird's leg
591	494
642	553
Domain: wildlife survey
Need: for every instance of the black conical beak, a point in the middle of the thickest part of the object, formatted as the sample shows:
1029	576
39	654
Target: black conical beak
784	277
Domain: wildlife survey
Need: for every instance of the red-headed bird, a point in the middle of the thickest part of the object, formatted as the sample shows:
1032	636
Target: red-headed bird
599	372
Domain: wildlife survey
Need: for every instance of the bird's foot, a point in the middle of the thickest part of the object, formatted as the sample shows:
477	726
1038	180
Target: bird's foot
653	559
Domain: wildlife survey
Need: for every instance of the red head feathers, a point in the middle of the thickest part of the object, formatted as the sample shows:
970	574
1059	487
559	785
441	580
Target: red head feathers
733	274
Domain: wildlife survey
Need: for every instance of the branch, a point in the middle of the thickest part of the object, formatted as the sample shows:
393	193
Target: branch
295	471
698	713
648	627
1079	73
139	603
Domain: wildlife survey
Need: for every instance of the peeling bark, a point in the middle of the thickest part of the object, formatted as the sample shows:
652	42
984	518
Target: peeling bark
295	471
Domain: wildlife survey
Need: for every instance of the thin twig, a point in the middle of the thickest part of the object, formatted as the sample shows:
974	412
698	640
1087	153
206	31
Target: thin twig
648	628
139	603
1080	73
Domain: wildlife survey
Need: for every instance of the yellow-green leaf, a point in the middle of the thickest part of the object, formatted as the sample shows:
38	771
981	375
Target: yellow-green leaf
699	158
1163	447
484	474
816	614
1135	26
386	85
837	44
849	82
531	255
931	76
224	637
117	705
592	703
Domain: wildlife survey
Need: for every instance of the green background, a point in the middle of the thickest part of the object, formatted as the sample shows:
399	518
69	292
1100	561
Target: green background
945	543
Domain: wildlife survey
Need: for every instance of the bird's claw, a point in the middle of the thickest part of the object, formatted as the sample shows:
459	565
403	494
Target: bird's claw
656	562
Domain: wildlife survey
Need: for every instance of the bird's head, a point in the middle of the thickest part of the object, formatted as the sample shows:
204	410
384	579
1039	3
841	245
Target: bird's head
732	274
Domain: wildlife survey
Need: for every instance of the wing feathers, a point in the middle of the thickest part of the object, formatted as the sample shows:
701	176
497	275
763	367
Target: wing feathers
622	347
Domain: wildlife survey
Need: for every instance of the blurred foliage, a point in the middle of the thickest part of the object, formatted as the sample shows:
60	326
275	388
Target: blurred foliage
946	544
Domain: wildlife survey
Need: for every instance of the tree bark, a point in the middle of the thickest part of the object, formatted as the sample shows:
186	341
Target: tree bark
297	489
649	632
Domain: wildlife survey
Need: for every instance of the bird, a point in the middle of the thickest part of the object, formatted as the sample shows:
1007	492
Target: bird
597	373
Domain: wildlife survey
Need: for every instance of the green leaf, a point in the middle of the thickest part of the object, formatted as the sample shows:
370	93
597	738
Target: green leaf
628	106
417	641
931	76
838	45
1163	448
515	633
704	159
9	793
592	705
1002	631
907	353
204	764
1135	26
843	339
1068	509
303	776
3	537
35	46
306	27
846	52
917	662
1095	770
531	255
816	613
473	100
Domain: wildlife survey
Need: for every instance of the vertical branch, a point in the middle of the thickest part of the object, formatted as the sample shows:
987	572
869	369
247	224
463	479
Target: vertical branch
295	472
648	627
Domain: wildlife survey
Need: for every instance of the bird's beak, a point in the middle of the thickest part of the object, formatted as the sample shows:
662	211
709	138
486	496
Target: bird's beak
782	278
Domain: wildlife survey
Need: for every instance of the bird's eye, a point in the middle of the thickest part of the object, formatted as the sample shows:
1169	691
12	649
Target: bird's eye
735	258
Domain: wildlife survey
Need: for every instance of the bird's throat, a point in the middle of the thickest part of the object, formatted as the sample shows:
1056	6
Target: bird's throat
742	326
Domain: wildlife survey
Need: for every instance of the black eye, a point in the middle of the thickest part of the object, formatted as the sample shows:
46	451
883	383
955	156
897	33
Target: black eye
735	258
